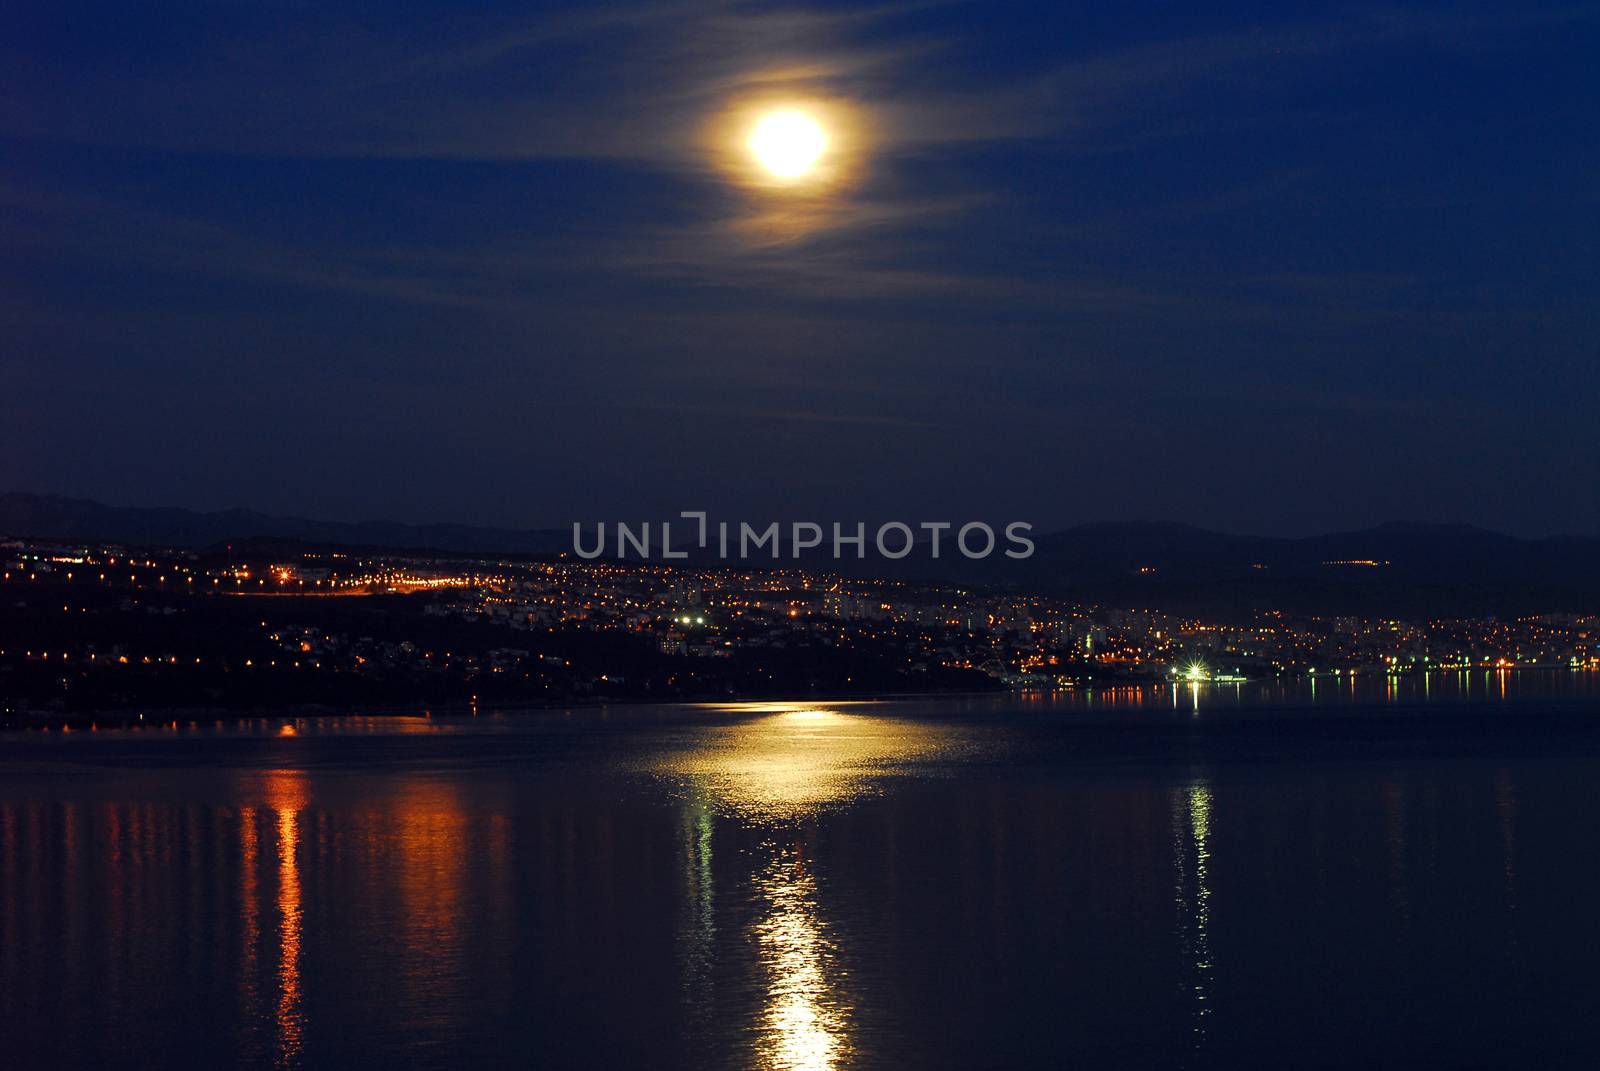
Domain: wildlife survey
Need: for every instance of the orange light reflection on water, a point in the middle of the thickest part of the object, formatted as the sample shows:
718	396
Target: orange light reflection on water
286	798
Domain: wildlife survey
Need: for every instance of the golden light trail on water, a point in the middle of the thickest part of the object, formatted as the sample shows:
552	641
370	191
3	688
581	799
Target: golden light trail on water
779	765
805	1023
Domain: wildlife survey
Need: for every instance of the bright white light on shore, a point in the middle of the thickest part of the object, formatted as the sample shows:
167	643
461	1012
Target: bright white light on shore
788	143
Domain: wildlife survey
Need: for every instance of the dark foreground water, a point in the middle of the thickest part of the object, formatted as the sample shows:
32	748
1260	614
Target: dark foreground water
1384	875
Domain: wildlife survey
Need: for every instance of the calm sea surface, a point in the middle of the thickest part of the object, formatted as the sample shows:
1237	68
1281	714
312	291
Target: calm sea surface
1378	874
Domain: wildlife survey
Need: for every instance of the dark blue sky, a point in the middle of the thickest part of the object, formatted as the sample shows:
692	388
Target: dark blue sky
1275	268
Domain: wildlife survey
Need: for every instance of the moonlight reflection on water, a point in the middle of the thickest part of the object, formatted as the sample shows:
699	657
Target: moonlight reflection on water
777	764
775	767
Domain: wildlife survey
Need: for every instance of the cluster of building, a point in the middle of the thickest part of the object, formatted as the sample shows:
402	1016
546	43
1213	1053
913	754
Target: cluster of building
565	626
1021	639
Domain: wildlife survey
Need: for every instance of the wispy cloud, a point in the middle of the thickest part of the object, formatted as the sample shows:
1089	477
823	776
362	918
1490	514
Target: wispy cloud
620	81
636	84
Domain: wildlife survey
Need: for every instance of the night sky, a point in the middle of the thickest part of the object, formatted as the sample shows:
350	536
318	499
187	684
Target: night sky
1273	268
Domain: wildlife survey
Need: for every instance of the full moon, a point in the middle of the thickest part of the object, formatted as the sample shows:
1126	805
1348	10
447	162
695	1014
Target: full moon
788	143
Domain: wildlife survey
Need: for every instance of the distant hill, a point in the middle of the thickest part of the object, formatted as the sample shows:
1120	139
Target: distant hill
1401	569
1438	552
56	517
